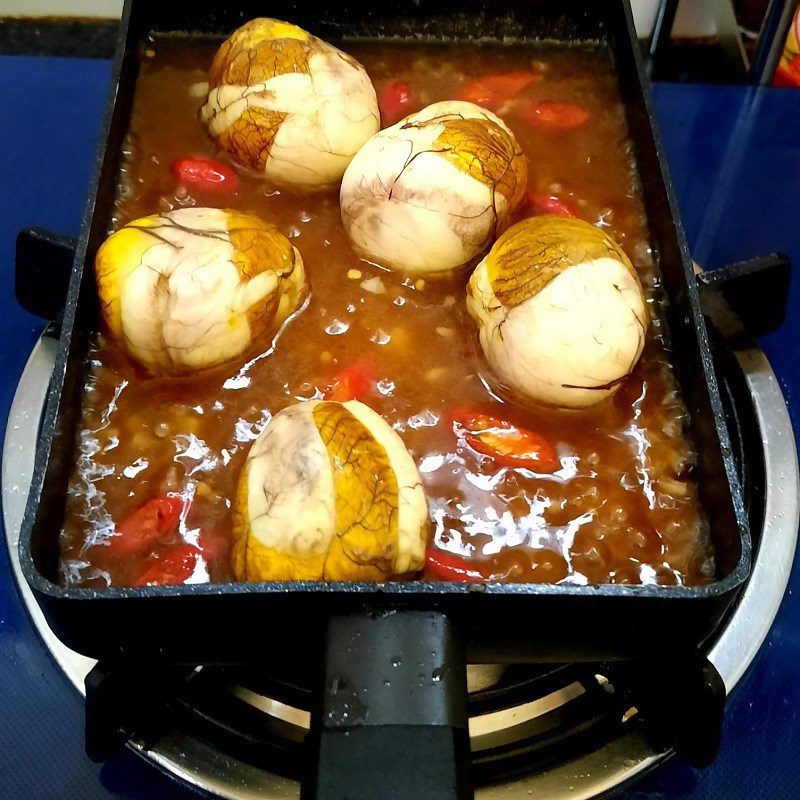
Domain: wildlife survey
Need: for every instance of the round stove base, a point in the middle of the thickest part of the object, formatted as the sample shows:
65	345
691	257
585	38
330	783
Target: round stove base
589	771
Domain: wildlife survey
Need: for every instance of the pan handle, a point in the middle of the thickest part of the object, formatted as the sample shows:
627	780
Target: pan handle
390	713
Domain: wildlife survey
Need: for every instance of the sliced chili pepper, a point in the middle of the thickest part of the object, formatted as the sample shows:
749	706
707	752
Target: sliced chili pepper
352	383
395	102
491	91
175	566
448	567
559	116
548	204
151	521
506	444
787	75
207	174
214	544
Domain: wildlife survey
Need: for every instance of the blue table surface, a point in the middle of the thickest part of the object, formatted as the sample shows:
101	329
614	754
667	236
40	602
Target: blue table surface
734	155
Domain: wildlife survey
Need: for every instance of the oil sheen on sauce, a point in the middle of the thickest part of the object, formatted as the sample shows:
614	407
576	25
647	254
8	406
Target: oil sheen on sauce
622	508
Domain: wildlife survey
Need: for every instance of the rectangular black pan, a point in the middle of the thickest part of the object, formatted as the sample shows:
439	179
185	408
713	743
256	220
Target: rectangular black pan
249	622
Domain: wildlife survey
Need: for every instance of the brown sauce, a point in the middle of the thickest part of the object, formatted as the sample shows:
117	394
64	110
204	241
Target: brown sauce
622	508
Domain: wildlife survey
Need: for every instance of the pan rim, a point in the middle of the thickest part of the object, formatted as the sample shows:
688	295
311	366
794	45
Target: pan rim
716	589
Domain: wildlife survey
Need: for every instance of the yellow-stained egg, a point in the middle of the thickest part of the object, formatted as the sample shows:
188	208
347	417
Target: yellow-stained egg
328	492
288	106
193	288
432	192
561	312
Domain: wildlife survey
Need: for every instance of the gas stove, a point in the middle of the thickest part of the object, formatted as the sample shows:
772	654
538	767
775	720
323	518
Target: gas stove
566	731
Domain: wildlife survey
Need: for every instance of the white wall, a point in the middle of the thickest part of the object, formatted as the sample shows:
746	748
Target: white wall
60	8
694	17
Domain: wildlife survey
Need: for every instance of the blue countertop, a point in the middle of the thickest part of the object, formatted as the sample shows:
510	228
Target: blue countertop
734	155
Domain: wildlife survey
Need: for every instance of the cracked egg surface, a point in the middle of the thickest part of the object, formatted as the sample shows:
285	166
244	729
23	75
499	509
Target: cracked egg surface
196	287
429	194
561	312
287	105
614	501
329	492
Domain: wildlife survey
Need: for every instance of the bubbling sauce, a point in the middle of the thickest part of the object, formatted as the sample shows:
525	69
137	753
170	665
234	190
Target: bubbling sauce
622	507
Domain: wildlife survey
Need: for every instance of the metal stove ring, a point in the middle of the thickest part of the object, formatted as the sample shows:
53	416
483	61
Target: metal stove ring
613	764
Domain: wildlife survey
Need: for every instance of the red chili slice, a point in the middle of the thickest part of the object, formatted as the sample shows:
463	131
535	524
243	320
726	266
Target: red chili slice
506	444
139	530
352	383
559	116
174	567
207	174
448	567
214	543
395	102
787	75
492	91
548	204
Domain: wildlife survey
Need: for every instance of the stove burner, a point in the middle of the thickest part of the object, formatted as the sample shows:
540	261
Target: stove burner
556	731
550	710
